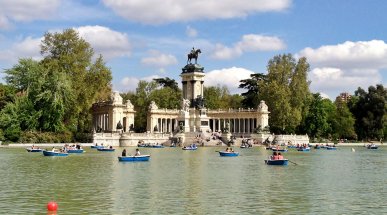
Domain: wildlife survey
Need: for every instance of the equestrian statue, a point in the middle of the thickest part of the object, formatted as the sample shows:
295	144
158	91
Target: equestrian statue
194	54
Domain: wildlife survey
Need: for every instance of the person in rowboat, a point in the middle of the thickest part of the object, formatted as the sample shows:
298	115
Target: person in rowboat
123	153
137	152
280	156
274	156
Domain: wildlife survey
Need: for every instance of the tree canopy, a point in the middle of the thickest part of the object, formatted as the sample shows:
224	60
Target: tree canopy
56	93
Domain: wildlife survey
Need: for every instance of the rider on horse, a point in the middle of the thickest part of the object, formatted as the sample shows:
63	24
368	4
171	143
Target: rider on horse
193	55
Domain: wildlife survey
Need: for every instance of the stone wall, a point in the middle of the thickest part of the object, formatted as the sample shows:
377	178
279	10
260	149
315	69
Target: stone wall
129	139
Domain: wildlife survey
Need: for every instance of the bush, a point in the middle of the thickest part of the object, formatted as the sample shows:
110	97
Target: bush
83	137
12	133
45	137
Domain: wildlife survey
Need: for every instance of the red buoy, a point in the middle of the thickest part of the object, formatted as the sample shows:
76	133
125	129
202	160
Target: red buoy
52	206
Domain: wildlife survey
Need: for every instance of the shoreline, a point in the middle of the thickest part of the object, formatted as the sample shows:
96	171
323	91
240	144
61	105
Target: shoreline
26	145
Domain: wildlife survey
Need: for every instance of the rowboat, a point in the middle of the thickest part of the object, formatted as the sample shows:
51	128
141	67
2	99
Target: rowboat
245	146
34	150
373	146
147	145
307	149
134	158
317	147
106	149
331	148
51	153
157	146
279	150
190	147
283	162
96	147
228	154
75	151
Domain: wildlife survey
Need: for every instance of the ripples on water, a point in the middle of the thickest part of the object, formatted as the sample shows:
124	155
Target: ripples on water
195	182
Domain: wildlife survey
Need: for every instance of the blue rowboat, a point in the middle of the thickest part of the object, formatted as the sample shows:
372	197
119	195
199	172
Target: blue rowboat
134	158
34	150
106	149
228	154
75	151
157	146
51	153
189	148
331	148
317	147
372	147
283	162
279	150
292	147
307	149
96	147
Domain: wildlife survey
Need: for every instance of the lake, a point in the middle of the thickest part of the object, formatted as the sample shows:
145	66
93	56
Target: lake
195	182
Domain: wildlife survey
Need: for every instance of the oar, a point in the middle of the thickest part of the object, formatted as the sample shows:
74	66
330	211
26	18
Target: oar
293	162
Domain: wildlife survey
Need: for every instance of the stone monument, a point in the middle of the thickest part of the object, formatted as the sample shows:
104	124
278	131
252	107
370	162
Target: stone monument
193	114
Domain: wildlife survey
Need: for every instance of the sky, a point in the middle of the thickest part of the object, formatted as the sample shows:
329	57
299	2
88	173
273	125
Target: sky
343	41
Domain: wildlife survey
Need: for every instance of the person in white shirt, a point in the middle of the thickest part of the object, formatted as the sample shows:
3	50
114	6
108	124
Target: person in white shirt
137	152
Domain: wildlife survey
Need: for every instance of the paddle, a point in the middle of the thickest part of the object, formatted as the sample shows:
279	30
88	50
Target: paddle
293	162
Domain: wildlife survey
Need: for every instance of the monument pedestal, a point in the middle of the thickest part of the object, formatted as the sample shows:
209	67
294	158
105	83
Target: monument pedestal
226	137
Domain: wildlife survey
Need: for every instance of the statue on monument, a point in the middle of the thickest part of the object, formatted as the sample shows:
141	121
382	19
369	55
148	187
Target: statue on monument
194	54
199	102
185	104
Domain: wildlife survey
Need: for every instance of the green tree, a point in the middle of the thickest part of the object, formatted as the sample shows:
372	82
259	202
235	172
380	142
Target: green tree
7	94
251	98
216	97
55	94
344	121
316	121
167	82
141	101
286	91
370	109
67	53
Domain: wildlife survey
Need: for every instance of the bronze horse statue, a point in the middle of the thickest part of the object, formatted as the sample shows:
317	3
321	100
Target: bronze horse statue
193	55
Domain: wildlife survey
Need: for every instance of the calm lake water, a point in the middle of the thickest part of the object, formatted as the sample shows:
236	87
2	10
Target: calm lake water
195	182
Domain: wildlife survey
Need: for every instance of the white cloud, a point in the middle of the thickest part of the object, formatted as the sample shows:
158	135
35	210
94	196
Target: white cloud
4	23
191	32
165	11
105	41
249	43
26	48
22	10
345	67
360	54
159	59
130	83
332	81
230	77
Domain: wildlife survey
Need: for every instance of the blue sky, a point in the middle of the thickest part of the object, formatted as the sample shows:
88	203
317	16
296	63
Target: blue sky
344	41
